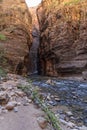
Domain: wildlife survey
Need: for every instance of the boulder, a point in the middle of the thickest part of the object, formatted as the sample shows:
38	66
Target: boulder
11	105
4	98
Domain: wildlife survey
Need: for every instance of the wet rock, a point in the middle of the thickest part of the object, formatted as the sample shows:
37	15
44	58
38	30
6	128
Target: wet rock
62	116
84	75
53	103
69	113
42	122
48	97
85	121
68	124
63	121
51	82
57	99
83	128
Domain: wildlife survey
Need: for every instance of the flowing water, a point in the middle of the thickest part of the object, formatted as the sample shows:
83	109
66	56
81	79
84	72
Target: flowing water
70	93
34	50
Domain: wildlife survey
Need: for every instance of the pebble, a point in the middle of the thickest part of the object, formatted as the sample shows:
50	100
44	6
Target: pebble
5	111
18	103
25	104
63	121
29	100
48	97
58	99
15	109
68	124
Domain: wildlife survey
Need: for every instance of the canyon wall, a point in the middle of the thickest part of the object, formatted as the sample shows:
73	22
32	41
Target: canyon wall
63	42
15	35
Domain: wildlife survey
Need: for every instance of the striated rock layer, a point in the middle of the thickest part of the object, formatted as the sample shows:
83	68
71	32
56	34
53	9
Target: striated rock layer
63	42
15	35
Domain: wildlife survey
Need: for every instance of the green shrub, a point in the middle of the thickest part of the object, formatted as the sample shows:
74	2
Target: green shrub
2	37
36	97
2	72
3	60
71	2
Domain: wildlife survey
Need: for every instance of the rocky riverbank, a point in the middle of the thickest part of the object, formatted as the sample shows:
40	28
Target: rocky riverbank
16	108
67	99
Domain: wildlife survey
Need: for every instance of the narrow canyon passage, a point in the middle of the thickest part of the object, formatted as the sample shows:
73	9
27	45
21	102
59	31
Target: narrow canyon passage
51	40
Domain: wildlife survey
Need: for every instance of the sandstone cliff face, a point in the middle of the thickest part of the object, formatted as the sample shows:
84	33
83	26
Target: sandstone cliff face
15	25
63	43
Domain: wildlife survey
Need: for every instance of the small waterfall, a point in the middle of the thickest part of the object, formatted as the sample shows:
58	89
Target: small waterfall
34	51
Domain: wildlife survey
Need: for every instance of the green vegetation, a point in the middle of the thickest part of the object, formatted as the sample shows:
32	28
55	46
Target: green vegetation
2	37
37	98
71	2
2	72
51	116
3	60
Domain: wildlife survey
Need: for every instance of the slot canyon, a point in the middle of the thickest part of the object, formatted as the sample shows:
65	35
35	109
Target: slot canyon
55	33
47	45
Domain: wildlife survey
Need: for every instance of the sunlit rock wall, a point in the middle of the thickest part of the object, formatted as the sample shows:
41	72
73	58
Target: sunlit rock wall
15	25
63	42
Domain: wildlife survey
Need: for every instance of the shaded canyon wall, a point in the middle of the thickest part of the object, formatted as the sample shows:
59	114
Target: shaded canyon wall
63	41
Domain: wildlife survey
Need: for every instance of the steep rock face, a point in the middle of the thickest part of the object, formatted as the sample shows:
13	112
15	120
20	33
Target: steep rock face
63	43
15	27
